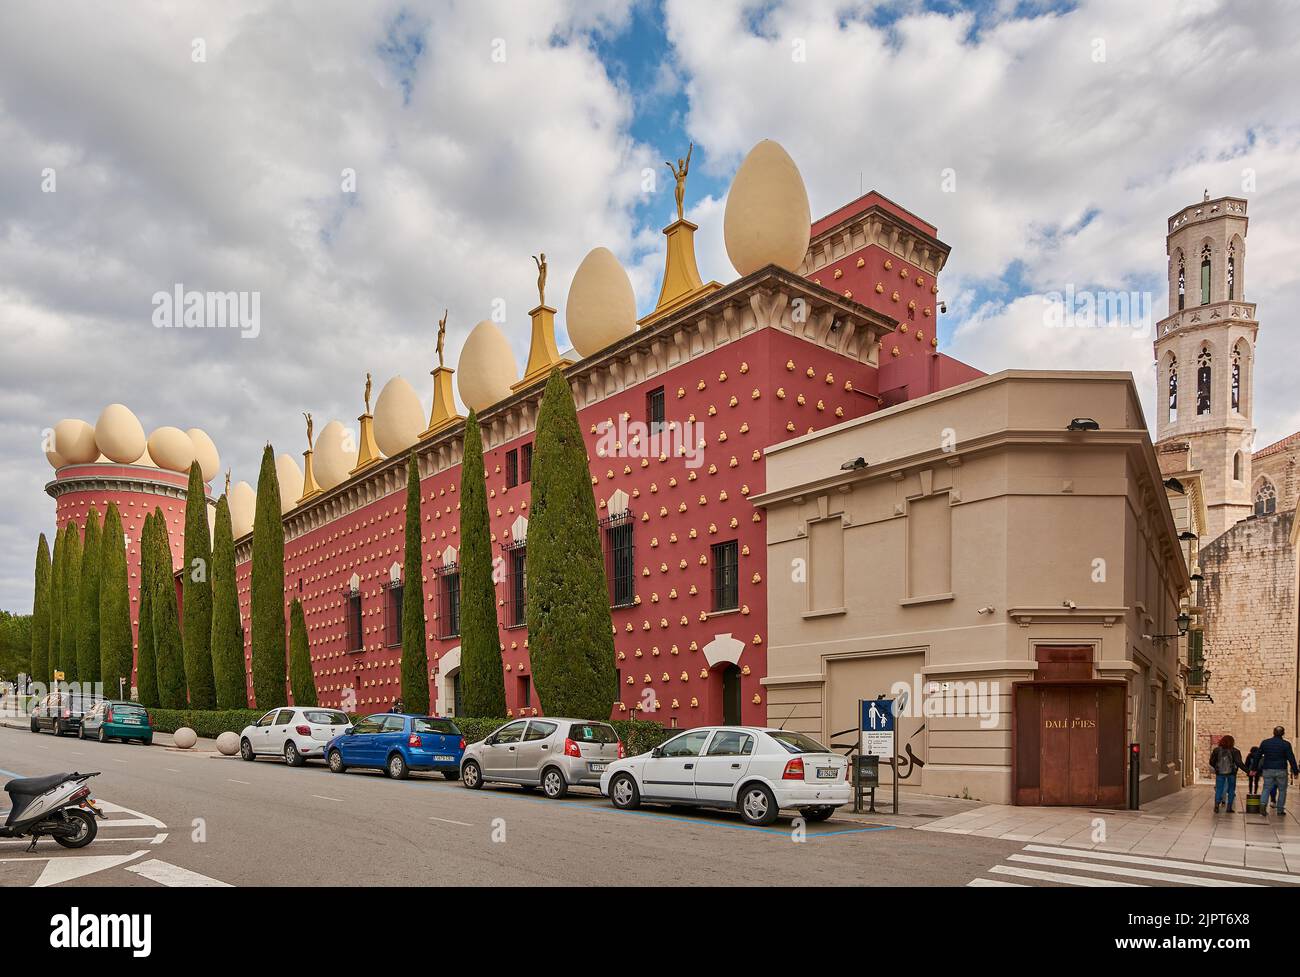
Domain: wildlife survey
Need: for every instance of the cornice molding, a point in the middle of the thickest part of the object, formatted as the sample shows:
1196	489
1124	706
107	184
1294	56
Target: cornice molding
877	226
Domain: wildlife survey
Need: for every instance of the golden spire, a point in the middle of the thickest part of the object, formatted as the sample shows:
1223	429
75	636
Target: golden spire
681	282
309	487
368	452
443	413
543	353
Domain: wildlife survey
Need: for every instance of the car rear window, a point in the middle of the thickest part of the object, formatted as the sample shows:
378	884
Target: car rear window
592	733
127	709
797	742
430	725
323	718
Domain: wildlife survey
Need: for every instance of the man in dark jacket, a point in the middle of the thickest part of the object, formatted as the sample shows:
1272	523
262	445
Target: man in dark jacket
1275	756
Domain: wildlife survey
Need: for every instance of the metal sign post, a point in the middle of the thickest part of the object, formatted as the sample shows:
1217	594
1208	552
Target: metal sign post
878	737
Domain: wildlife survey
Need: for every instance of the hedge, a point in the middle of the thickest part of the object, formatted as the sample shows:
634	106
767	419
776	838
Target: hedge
208	723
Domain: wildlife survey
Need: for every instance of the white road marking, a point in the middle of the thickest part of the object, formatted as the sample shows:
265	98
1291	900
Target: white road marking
1242	873
173	876
463	824
160	838
244	782
324	798
59	870
172	769
110	808
1029	873
98	839
994	883
1135	873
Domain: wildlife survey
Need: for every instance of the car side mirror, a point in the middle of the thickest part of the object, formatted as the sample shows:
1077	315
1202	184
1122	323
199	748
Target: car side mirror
490	741
657	752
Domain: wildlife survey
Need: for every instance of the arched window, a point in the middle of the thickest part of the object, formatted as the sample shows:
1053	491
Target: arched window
1173	389
1232	270
1265	499
1236	377
1236	467
1203	382
1182	281
1205	275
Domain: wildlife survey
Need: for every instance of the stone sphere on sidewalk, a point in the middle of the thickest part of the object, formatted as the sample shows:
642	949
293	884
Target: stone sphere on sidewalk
185	738
228	743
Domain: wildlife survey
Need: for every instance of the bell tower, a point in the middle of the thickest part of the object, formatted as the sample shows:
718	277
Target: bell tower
1205	354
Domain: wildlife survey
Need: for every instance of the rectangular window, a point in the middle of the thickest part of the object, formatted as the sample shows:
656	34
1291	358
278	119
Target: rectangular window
354	641
619	571
654	409
512	468
526	462
929	546
516	586
525	692
726	576
449	602
393	615
826	564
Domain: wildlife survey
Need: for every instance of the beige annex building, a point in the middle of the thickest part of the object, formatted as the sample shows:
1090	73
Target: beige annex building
1021	580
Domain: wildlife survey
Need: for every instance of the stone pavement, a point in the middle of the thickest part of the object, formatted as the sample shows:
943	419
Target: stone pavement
1179	826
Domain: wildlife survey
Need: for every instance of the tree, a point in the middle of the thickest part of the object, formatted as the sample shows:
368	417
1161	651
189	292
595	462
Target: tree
88	605
482	681
227	631
570	630
268	588
196	595
146	662
54	645
116	651
169	654
39	662
301	679
71	587
415	656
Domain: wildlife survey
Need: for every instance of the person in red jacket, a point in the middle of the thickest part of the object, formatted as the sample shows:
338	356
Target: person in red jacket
1225	761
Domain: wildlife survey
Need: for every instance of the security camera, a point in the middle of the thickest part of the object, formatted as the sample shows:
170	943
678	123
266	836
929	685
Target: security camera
1068	603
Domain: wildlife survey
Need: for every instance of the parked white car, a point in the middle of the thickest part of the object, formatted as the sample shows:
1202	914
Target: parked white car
749	769
297	733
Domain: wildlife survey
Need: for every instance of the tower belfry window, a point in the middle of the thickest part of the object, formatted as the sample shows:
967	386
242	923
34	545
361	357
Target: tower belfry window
1182	282
1205	275
1236	378
1266	499
1203	382
1232	271
1173	389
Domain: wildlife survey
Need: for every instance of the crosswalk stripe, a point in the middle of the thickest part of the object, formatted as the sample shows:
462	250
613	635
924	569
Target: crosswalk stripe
994	883
1244	873
1136	873
173	876
1029	873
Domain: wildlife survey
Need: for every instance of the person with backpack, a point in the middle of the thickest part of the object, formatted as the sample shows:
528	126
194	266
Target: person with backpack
1275	756
1225	761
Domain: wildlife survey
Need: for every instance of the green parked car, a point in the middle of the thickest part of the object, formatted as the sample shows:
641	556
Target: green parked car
117	720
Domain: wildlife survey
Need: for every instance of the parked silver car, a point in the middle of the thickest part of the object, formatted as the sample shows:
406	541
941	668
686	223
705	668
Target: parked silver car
552	753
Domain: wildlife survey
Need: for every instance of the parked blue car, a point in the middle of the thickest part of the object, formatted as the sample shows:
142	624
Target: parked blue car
398	743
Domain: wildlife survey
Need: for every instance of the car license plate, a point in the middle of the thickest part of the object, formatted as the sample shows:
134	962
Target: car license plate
444	759
132	720
597	768
827	773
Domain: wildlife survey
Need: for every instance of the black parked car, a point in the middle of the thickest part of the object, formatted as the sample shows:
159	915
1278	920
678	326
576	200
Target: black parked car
62	711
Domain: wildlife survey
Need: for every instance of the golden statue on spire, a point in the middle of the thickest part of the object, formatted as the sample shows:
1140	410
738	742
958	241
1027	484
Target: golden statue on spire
367	391
442	334
540	262
679	174
307	414
227	481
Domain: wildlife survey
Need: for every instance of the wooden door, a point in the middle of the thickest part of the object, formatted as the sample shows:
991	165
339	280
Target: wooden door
1068	745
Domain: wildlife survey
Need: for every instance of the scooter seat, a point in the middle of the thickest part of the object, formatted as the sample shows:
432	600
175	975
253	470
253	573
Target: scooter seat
32	786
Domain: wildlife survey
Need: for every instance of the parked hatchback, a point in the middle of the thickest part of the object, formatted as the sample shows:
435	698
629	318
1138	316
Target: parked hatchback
753	770
62	712
297	733
552	753
398	743
117	720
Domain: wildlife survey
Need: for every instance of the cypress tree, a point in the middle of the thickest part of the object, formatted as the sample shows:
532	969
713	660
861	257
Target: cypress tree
71	604
301	679
88	605
146	668
268	589
38	669
482	680
570	630
115	646
415	656
227	631
53	646
169	660
196	595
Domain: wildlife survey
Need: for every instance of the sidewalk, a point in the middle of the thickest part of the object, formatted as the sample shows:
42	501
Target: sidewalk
1181	825
915	809
203	746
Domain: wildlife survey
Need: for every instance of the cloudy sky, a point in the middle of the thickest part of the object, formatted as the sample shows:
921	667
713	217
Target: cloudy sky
208	144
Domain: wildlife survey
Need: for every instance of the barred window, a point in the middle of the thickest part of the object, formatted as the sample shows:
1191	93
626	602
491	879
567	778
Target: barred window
726	576
654	409
512	468
393	615
449	601
516	585
354	641
619	571
526	462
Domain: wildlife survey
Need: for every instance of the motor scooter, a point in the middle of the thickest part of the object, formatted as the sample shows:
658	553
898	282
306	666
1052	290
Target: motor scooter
59	806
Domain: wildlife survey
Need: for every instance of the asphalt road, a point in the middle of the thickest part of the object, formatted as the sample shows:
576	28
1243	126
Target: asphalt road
182	818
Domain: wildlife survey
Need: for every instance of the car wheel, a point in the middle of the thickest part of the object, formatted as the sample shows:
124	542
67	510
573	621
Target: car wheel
246	750
336	762
147	741
397	768
554	785
817	813
757	805
623	792
471	775
58	727
86	829
292	756
102	738
451	775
